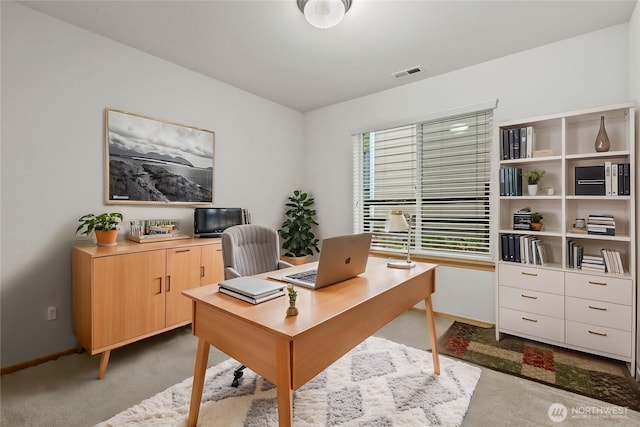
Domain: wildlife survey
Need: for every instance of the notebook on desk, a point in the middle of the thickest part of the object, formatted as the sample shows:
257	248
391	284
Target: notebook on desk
251	289
341	258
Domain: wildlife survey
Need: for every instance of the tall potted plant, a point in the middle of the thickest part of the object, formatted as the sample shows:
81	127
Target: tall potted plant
299	240
105	226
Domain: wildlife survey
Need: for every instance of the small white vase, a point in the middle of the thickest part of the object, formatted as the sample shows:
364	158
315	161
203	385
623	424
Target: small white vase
532	189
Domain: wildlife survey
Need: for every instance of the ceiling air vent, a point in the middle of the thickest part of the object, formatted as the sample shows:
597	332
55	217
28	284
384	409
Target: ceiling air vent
407	72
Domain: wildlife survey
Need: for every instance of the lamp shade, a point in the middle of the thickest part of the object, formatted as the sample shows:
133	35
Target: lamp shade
324	13
396	221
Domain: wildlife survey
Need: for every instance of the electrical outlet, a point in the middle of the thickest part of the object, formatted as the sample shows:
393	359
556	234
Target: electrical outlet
52	313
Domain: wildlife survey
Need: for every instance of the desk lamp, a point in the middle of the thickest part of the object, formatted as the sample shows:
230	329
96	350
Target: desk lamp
396	221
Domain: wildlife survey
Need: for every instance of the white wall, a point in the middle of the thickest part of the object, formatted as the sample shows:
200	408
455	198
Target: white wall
586	71
56	81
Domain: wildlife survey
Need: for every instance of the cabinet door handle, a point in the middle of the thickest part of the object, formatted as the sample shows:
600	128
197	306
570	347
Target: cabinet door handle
202	271
530	320
602	334
529	296
597	283
597	308
529	274
168	287
182	250
159	287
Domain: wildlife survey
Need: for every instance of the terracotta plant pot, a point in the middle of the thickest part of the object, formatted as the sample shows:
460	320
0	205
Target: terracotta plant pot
536	226
297	260
106	237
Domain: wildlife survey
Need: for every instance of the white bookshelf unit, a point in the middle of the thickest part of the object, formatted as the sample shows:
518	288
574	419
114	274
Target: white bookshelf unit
586	310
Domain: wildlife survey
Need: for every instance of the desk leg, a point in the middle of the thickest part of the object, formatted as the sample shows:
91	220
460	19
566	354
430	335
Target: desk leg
285	381
433	336
202	357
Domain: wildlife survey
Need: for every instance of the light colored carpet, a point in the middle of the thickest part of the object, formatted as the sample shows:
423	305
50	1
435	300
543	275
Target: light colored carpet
379	383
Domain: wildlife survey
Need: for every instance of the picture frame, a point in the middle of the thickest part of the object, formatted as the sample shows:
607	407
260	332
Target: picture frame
154	161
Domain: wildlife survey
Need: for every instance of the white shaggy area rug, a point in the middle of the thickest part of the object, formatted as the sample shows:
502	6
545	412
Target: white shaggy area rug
378	383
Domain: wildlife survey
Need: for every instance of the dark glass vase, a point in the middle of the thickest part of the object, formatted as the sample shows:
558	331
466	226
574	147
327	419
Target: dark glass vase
602	140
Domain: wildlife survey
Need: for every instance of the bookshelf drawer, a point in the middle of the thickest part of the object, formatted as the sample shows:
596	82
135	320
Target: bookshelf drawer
551	305
532	324
599	313
599	338
599	288
537	279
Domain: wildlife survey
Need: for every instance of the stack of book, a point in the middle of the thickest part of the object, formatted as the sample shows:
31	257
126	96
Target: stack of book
510	181
601	224
612	261
593	263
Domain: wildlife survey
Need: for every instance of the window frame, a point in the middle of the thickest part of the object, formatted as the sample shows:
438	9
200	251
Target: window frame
483	257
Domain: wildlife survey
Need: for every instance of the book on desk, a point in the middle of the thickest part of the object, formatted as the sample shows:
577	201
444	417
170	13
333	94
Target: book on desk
252	289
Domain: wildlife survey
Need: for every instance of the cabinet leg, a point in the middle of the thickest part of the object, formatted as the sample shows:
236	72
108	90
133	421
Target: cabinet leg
104	361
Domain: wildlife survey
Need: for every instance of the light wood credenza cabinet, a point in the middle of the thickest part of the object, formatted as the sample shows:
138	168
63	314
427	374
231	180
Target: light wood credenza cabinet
124	293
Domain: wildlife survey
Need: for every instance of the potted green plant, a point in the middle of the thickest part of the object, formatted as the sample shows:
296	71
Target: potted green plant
105	226
536	221
533	177
296	230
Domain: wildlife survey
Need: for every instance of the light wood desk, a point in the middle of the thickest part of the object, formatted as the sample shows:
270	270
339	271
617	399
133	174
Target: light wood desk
289	351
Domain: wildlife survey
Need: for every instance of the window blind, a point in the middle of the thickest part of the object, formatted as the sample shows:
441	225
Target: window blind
438	173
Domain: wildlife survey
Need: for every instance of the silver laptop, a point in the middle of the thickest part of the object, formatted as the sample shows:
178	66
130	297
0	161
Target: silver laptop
341	258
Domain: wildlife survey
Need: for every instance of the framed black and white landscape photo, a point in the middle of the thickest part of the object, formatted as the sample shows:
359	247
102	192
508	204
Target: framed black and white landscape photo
155	161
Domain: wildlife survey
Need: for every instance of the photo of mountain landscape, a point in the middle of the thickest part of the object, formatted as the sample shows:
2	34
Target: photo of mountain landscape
155	161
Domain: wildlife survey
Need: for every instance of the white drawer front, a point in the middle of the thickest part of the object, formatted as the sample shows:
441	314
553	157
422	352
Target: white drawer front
599	338
519	276
531	301
532	324
599	313
599	288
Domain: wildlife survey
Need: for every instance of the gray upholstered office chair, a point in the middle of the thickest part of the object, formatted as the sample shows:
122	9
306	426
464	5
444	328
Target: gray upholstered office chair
247	250
250	249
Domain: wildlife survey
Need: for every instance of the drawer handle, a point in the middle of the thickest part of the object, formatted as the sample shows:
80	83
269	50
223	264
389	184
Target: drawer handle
597	283
598	333
529	296
182	250
529	274
597	308
532	320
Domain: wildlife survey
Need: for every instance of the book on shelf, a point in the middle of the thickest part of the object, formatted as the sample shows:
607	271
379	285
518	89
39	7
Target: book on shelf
517	143
601	224
510	181
617	179
612	261
523	249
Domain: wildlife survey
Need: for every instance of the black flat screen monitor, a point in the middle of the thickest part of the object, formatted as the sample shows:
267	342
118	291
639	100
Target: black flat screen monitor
211	222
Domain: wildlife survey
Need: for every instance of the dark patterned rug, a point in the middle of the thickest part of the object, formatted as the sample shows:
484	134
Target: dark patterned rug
586	374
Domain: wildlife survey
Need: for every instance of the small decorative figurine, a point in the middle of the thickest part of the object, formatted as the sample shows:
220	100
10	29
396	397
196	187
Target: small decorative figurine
293	294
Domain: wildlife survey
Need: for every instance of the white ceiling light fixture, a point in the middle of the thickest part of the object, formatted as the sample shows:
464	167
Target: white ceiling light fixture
324	13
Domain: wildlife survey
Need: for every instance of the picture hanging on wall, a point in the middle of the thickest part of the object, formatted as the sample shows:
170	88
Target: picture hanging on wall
152	161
